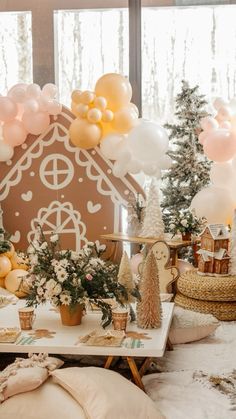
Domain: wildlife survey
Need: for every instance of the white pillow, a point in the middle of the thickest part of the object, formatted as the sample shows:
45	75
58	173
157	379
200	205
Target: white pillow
105	394
50	401
189	326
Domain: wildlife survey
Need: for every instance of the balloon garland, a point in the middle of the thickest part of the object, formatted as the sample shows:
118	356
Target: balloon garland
26	109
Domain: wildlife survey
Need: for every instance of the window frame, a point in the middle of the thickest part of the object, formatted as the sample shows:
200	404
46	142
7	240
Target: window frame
43	31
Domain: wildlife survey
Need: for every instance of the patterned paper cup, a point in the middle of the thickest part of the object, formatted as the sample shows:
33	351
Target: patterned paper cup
120	318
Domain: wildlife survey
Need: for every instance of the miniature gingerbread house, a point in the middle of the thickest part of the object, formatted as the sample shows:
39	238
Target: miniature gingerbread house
213	254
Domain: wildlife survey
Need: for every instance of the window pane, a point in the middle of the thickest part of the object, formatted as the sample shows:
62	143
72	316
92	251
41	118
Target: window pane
15	49
89	43
197	44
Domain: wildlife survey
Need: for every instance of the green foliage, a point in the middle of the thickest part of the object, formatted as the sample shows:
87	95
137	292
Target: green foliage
190	169
68	277
5	244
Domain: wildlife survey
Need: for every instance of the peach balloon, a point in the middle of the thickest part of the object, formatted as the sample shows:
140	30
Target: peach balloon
36	122
18	92
100	102
107	128
124	120
86	97
116	89
107	115
75	96
14	132
8	109
15	282
82	110
220	145
5	266
84	135
94	115
2	282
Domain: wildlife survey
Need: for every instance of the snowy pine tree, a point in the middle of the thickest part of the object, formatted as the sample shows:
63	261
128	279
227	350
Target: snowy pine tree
149	308
232	249
189	172
153	225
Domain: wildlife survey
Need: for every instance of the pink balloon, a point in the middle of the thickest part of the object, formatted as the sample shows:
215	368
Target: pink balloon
202	137
8	109
14	133
54	107
220	145
36	122
18	92
208	123
135	262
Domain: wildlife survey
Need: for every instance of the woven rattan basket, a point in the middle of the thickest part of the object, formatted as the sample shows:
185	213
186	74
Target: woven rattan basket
225	311
209	288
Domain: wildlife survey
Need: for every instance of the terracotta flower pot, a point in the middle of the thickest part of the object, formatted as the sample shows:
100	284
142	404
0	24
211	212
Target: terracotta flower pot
71	315
186	236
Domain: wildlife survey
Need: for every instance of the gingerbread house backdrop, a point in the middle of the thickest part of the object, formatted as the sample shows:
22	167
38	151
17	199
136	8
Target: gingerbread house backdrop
61	187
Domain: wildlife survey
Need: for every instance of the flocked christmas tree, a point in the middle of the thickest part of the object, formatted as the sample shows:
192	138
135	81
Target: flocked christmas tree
149	308
153	225
189	172
135	209
232	250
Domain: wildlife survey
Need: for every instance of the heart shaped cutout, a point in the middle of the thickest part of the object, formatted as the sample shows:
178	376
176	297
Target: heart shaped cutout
27	196
93	208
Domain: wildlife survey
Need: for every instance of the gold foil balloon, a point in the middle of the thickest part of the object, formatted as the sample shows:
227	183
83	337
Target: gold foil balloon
85	135
116	89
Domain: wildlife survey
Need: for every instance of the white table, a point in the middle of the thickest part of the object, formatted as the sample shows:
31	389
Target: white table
65	340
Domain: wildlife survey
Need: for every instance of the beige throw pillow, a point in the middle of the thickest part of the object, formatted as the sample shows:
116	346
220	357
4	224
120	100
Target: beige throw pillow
26	374
49	401
189	326
105	394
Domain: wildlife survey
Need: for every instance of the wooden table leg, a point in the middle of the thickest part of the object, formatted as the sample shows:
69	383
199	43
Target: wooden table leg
169	345
144	366
135	372
108	362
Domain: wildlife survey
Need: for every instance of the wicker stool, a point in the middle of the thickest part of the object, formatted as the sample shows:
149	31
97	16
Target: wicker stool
221	310
207	294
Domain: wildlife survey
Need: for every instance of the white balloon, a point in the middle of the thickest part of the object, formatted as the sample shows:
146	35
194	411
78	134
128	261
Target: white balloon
124	157
119	170
149	169
140	178
6	151
219	102
221	174
165	162
148	141
109	144
134	166
214	203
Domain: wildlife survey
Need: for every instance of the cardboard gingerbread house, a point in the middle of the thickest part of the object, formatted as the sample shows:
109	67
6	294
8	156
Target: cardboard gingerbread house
213	254
63	188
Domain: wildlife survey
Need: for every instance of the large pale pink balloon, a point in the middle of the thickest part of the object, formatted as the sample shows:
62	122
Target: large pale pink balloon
36	122
222	174
214	203
14	133
8	109
220	145
18	92
6	151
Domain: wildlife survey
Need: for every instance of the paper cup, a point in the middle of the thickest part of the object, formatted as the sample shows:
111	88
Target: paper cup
26	317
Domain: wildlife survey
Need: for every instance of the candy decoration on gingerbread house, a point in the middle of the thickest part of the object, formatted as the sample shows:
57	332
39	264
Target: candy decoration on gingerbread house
213	254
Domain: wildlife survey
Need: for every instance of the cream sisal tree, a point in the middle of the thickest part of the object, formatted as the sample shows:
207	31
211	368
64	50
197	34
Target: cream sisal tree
125	276
149	308
153	225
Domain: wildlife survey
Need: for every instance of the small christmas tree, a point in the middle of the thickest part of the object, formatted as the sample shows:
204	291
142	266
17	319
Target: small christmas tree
189	172
153	225
149	308
232	249
125	276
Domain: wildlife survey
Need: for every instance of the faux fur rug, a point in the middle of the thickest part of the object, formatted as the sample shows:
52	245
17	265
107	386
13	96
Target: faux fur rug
197	380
